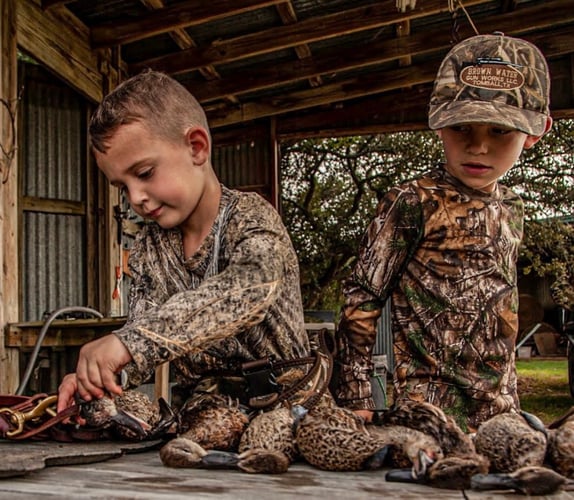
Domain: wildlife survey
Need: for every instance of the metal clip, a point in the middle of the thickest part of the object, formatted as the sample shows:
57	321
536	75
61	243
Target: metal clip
19	418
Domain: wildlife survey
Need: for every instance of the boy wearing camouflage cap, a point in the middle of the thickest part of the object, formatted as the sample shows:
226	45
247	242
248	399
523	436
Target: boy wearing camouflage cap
443	247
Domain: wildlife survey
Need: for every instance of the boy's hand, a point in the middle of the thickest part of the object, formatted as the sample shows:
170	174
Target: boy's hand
66	392
99	363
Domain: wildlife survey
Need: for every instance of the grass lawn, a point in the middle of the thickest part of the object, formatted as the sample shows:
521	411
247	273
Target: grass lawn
543	387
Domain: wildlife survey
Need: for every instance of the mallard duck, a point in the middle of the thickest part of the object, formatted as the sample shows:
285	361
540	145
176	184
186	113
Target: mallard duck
213	426
431	420
454	472
214	422
336	439
272	430
183	452
408	447
131	415
529	480
560	450
459	460
511	441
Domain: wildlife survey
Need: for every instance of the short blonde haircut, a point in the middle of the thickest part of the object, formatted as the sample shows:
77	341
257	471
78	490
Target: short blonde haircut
152	98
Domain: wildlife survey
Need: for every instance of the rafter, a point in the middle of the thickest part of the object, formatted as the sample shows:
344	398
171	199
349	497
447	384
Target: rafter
519	23
284	37
377	82
169	18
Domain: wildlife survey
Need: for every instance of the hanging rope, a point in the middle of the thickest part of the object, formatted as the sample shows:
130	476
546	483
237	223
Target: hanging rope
453	6
403	4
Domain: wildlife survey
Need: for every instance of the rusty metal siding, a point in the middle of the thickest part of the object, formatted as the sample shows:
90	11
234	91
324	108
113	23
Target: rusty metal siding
54	266
52	152
244	166
52	125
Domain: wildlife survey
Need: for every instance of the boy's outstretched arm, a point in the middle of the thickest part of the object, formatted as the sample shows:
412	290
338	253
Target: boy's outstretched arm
99	362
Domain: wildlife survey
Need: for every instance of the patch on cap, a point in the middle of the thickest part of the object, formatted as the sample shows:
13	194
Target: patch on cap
492	75
492	79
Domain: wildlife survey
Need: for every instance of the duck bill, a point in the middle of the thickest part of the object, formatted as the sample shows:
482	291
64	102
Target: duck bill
134	424
403	476
482	482
216	459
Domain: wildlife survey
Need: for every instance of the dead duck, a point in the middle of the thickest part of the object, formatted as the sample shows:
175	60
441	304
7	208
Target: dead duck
454	472
183	452
336	439
512	441
214	422
459	460
272	430
560	450
408	447
431	420
211	430
131	415
529	480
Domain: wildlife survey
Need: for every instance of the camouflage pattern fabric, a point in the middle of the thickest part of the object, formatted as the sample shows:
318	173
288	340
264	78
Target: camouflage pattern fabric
445	254
236	300
492	79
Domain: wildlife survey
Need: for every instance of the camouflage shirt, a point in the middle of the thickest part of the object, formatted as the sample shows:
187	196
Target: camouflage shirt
446	255
236	299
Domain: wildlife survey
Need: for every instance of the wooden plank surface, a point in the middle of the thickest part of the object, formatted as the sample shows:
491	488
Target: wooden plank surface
142	476
66	332
23	457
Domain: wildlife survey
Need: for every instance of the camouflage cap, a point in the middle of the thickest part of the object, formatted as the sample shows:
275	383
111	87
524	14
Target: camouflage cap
492	79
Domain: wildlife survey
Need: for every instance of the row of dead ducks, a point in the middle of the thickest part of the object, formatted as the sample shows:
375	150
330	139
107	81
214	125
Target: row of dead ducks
417	441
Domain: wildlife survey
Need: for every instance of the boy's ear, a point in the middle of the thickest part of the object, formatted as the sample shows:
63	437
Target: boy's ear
198	141
531	140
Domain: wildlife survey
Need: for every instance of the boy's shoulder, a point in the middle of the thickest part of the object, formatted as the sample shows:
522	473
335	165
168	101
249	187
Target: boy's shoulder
250	200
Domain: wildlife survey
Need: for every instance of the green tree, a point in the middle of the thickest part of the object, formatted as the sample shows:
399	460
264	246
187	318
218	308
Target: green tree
330	189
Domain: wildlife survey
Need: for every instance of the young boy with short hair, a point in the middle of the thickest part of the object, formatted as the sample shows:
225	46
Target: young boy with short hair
215	278
443	247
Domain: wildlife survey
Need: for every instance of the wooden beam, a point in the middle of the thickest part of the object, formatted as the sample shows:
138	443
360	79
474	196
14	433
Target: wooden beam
333	62
401	110
289	16
62	332
60	45
9	307
181	38
292	35
556	42
51	206
378	82
169	18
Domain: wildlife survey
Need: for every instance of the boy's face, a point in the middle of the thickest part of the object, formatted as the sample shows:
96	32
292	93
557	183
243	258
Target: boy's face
163	181
478	154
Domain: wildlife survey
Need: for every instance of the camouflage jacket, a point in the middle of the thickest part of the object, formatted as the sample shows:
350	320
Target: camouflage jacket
446	255
237	299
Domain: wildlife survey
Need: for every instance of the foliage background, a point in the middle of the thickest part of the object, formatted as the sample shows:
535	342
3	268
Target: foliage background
330	189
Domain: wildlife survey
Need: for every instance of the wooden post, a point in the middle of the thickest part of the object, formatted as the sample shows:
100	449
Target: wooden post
9	373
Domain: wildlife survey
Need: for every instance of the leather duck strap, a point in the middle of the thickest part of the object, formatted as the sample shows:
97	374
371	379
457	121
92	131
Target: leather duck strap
34	417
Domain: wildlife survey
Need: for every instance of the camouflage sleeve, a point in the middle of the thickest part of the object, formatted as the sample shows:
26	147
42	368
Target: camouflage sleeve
389	242
223	305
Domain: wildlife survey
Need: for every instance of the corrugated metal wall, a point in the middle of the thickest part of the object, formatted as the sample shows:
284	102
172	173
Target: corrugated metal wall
53	273
52	165
245	165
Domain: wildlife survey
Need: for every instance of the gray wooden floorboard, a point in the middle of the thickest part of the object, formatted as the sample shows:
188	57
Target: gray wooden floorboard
143	476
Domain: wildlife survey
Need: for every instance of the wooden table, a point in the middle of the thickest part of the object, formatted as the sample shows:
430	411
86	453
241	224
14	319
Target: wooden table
143	476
